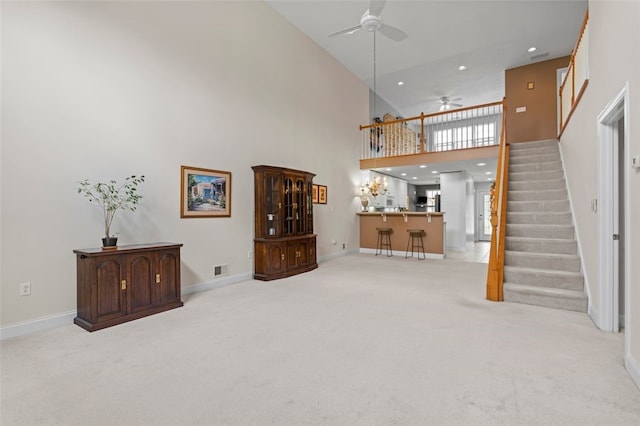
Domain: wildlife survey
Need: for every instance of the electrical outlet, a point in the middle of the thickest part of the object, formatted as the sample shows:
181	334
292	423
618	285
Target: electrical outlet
24	289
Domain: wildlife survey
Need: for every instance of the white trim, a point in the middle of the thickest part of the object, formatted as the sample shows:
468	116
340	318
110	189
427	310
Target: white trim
576	235
400	253
221	282
633	368
66	318
40	324
616	108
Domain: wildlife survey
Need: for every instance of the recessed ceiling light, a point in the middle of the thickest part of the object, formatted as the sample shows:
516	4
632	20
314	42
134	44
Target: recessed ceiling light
388	169
414	177
403	174
490	179
487	173
400	83
462	68
423	166
531	49
435	171
482	164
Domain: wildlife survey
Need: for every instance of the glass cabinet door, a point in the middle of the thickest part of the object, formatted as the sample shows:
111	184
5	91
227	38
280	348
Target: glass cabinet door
300	206
309	208
289	206
273	204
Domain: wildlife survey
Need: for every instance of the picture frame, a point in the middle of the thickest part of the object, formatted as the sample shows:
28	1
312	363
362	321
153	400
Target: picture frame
204	192
322	194
314	194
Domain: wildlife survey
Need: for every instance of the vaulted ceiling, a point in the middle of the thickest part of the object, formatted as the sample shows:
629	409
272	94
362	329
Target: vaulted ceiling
487	37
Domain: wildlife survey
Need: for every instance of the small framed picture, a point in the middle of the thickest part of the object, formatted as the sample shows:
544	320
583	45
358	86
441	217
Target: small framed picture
322	194
314	194
204	193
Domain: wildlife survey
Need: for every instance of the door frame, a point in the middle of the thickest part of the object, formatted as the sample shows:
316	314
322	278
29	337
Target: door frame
481	236
608	212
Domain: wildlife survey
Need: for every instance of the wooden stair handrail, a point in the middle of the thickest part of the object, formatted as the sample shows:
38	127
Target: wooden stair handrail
495	271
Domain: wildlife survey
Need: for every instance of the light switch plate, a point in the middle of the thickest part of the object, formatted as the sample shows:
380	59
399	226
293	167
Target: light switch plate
635	161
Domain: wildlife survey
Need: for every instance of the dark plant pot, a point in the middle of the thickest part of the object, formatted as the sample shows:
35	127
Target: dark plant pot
109	241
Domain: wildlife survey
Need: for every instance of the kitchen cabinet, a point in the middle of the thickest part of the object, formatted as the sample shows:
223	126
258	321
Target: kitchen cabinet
126	283
284	242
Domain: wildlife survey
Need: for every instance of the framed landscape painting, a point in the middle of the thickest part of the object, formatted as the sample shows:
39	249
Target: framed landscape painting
204	193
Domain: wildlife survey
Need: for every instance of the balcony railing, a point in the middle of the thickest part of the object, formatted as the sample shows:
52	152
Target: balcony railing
577	78
462	128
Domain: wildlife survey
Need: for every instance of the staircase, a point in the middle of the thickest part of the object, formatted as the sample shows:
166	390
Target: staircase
541	265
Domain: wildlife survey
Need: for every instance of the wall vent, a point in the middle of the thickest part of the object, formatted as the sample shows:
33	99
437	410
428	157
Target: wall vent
220	270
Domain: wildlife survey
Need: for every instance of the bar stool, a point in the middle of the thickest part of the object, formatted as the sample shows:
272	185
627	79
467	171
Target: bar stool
384	241
416	242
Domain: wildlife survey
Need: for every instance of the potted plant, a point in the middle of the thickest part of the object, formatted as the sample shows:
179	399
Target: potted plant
111	197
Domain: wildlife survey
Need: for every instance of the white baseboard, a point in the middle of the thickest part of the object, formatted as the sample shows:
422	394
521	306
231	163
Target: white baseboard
633	368
219	282
66	318
401	253
40	324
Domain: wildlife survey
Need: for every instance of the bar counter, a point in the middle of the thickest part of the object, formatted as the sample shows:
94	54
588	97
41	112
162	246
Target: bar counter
432	223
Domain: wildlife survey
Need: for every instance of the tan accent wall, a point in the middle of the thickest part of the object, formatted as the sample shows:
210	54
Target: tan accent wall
433	240
539	121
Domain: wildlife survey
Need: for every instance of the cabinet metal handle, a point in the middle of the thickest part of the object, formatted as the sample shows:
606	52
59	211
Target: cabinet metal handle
123	284
282	256
279	205
157	278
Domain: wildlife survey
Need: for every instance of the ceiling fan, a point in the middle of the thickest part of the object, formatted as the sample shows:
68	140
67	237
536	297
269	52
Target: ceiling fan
445	103
372	21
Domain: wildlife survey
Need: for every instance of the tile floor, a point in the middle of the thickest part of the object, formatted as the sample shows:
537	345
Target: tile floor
479	253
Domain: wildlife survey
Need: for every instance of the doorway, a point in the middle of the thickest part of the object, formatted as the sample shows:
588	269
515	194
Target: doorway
483	199
613	212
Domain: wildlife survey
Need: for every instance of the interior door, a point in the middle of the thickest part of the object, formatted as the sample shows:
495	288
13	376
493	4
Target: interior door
484	215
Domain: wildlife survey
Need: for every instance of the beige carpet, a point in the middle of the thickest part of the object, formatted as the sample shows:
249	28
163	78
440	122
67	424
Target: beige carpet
362	340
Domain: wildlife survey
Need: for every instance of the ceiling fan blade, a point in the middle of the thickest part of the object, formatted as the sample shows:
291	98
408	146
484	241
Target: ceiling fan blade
376	6
350	30
392	32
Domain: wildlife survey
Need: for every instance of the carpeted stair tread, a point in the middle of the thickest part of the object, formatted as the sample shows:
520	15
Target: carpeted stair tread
539	218
541	245
545	296
568	280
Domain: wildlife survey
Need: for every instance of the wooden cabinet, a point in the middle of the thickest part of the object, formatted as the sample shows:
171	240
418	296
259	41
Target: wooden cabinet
126	283
284	242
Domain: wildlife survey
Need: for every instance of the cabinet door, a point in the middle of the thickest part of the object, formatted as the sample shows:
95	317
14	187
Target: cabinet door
272	205
300	205
289	206
309	207
276	258
303	253
167	279
292	255
140	282
108	296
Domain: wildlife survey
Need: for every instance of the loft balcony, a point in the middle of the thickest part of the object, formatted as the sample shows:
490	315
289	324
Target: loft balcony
451	135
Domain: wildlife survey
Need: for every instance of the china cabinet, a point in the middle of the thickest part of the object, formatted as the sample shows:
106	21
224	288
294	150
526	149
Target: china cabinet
284	242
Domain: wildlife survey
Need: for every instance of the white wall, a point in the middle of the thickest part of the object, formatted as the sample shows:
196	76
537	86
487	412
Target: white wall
614	59
103	90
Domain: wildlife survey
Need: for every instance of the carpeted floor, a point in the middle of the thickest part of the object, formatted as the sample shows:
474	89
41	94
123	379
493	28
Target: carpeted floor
362	340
